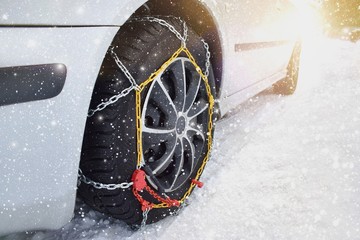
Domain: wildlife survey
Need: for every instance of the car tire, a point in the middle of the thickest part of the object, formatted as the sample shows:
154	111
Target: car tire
109	151
287	86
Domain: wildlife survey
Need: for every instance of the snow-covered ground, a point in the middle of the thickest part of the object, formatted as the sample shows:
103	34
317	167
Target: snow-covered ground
281	167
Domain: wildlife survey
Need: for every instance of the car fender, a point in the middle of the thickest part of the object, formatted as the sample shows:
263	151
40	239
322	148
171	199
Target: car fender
41	140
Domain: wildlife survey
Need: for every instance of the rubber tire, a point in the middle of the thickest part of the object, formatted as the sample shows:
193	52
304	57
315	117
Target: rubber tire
109	146
287	86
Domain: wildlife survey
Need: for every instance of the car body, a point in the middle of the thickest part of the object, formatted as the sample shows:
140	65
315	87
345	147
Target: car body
251	43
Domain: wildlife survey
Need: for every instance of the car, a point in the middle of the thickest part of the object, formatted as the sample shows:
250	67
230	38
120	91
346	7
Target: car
116	101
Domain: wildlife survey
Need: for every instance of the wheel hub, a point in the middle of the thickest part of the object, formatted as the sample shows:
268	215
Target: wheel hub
181	125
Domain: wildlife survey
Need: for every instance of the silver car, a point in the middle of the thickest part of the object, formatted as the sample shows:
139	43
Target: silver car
115	101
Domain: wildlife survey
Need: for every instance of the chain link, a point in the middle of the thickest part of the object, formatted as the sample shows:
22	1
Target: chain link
185	33
145	217
123	93
97	185
111	100
123	68
208	55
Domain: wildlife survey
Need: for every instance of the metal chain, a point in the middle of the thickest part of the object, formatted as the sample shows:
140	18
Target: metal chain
145	217
162	22
185	33
123	68
111	100
97	185
138	227
208	55
123	93
182	206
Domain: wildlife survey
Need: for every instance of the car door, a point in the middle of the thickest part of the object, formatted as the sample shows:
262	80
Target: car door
256	39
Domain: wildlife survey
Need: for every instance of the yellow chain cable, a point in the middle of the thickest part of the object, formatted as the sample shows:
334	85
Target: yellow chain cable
138	117
138	128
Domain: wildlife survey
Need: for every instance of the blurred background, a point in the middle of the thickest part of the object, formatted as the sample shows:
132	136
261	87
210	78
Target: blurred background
340	18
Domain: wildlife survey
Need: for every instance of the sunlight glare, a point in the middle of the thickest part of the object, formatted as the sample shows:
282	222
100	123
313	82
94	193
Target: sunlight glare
309	20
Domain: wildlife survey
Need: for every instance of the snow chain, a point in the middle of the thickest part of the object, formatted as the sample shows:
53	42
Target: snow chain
138	182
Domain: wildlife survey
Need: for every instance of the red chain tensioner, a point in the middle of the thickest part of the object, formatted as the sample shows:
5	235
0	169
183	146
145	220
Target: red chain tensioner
139	184
197	183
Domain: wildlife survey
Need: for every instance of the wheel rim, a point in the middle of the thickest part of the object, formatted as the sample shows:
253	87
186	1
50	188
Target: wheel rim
174	125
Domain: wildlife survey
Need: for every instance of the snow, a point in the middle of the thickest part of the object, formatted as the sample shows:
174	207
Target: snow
281	167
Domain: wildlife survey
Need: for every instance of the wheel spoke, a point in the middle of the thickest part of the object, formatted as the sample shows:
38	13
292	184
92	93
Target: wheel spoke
159	101
179	161
153	139
160	164
152	117
192	91
197	108
196	132
165	92
178	70
190	149
159	131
